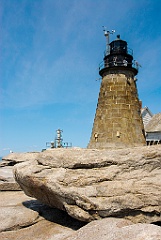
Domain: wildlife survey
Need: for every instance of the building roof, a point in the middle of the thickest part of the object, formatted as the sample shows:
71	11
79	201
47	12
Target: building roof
146	115
146	109
154	124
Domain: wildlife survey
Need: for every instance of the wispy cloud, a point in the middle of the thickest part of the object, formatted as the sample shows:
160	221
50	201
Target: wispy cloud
51	49
49	56
51	53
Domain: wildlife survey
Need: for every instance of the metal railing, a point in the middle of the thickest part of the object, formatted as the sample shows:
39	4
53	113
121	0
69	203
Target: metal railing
123	63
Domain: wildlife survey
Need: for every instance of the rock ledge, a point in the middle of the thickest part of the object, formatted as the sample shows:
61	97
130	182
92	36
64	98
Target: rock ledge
92	184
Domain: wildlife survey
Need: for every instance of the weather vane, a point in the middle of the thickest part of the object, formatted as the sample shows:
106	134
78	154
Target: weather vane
107	35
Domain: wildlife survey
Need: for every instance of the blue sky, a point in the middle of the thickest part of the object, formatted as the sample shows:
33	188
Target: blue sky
49	56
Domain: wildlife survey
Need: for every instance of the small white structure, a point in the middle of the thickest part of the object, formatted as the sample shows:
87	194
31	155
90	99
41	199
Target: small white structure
153	130
146	115
152	126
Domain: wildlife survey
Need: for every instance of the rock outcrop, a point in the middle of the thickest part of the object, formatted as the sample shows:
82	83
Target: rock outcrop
7	181
22	217
14	158
116	229
94	184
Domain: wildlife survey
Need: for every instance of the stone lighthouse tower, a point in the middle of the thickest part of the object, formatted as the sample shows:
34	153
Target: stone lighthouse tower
118	121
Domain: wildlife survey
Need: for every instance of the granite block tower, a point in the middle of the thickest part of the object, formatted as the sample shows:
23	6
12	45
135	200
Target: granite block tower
118	121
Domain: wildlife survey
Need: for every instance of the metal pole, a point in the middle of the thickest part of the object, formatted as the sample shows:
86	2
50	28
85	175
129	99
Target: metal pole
107	35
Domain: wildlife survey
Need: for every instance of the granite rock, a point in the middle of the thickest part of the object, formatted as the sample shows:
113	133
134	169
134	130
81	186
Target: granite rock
22	217
14	158
92	184
116	229
7	181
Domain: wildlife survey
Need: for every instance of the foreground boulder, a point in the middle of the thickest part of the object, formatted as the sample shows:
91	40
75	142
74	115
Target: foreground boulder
94	184
116	229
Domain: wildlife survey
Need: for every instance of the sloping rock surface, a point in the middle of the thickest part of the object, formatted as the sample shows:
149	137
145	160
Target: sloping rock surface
22	217
94	184
116	229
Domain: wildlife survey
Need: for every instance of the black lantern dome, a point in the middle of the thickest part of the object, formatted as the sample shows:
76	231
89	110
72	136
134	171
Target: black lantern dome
118	56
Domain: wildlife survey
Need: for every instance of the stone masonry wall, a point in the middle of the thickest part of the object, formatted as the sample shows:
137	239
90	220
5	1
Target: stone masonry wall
117	122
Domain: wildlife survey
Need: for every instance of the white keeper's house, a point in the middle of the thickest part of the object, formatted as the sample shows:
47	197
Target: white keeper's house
152	126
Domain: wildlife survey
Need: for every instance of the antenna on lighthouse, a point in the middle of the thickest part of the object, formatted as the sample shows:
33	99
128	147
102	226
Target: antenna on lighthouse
107	35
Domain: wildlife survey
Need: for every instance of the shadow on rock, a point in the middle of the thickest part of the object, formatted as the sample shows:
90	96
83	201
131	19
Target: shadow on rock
158	223
54	215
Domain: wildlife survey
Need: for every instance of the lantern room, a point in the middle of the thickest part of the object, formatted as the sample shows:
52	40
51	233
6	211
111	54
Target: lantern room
118	56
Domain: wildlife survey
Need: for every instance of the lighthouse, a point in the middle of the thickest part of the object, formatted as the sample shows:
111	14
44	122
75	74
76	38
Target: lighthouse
117	122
